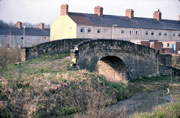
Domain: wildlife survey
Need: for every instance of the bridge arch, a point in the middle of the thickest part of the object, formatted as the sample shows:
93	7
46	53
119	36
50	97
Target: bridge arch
137	60
112	68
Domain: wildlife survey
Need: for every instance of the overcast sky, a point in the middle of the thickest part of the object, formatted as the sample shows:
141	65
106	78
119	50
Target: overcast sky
36	11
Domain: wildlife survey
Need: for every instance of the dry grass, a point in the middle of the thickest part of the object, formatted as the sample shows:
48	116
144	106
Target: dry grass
44	97
9	56
176	61
50	87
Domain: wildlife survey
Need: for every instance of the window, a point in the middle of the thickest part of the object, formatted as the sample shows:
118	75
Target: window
89	30
174	34
167	44
99	31
152	33
122	31
130	32
105	31
179	34
116	31
165	34
160	34
146	33
136	32
82	29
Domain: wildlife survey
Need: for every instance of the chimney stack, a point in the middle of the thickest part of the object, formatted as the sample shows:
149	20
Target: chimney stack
41	26
157	15
64	9
129	13
98	10
19	24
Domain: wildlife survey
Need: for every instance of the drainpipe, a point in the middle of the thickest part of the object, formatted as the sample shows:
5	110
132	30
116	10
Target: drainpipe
24	33
157	59
112	30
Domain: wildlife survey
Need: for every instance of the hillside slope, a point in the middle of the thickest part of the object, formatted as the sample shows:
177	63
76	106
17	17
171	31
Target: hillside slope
49	87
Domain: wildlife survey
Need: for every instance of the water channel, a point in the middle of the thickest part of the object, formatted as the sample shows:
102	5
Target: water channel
144	102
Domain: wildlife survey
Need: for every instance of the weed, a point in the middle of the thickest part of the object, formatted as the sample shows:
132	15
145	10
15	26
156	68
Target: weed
6	114
9	56
70	109
151	79
54	82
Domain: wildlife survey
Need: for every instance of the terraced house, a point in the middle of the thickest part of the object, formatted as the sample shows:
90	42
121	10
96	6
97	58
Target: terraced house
19	36
128	27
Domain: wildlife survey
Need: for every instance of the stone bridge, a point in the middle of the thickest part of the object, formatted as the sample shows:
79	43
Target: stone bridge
116	59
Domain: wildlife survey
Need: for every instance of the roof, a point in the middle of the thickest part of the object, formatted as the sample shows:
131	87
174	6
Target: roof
124	21
5	29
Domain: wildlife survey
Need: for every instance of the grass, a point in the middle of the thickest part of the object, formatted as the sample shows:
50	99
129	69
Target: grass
9	56
5	114
35	67
176	61
158	83
49	86
149	84
67	110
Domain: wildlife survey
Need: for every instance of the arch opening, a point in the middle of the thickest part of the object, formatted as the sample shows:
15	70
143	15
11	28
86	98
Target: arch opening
112	68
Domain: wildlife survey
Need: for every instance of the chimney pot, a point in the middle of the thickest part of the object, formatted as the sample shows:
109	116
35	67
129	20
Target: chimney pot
179	17
98	10
157	15
19	24
41	26
64	9
129	13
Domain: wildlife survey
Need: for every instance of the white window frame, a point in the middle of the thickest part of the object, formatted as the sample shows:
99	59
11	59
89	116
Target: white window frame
116	30
82	30
91	30
105	31
99	31
122	31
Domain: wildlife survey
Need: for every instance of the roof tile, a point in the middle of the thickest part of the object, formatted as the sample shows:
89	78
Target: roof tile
124	21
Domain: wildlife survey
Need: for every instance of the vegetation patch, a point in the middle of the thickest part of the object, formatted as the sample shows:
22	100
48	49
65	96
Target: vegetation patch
9	56
48	86
67	110
166	111
149	84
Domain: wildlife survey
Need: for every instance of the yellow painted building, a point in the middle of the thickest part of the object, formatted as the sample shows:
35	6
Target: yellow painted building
73	25
63	27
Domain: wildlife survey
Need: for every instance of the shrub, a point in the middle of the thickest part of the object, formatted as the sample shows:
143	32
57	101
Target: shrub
9	56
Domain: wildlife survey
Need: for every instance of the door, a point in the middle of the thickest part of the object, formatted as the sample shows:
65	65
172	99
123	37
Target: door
173	48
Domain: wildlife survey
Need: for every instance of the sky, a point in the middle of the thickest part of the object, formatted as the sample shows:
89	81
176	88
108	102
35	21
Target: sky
37	11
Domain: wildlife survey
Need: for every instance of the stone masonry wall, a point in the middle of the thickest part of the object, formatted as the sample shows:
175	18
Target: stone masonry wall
53	47
140	61
165	70
165	59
